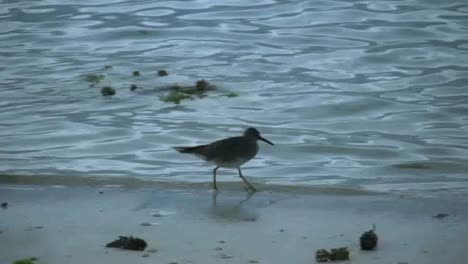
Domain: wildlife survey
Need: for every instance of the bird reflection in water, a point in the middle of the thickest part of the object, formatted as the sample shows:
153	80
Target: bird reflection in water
233	210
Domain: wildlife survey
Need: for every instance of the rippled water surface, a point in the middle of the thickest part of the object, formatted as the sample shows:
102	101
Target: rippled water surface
366	94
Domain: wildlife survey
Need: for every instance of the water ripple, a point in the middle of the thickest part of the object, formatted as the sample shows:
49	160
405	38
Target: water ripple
362	93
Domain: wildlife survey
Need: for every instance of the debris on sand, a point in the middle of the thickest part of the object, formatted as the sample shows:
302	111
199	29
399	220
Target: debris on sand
335	254
163	73
33	228
225	256
107	90
368	240
130	243
25	261
440	215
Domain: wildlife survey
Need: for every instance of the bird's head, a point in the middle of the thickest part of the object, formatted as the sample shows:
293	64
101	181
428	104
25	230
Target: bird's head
253	133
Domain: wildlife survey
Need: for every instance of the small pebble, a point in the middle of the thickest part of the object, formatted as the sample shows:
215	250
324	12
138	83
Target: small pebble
221	241
145	255
254	261
146	224
4	205
281	230
136	73
108	67
218	248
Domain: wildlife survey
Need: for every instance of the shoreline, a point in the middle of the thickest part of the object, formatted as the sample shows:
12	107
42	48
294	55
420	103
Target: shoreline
73	224
137	183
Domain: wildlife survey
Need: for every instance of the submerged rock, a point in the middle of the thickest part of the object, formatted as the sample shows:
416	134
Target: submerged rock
129	243
136	73
4	205
107	90
163	73
133	87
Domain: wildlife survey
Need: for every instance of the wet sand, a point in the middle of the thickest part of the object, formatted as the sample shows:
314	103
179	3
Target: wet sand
73	224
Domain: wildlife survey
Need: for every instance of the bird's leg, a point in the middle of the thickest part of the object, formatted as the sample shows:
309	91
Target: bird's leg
214	178
246	182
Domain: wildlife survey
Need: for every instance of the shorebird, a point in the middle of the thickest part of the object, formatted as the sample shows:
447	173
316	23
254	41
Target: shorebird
229	152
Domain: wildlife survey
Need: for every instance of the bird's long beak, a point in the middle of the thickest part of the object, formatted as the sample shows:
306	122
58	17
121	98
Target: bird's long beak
265	140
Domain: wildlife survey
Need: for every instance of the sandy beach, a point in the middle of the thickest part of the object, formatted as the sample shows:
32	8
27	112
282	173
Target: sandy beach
58	224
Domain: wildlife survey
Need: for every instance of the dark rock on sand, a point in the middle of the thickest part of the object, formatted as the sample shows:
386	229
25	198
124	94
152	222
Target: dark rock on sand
4	205
368	240
130	243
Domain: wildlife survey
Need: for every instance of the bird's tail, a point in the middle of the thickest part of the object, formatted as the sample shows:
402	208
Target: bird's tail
190	150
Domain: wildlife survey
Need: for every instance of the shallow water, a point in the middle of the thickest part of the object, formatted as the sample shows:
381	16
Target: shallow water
360	94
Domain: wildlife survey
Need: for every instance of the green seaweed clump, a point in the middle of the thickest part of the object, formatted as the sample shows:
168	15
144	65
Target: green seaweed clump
94	78
335	254
107	90
232	94
25	261
178	93
176	96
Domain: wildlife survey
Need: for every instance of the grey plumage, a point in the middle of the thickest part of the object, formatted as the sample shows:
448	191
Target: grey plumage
229	152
